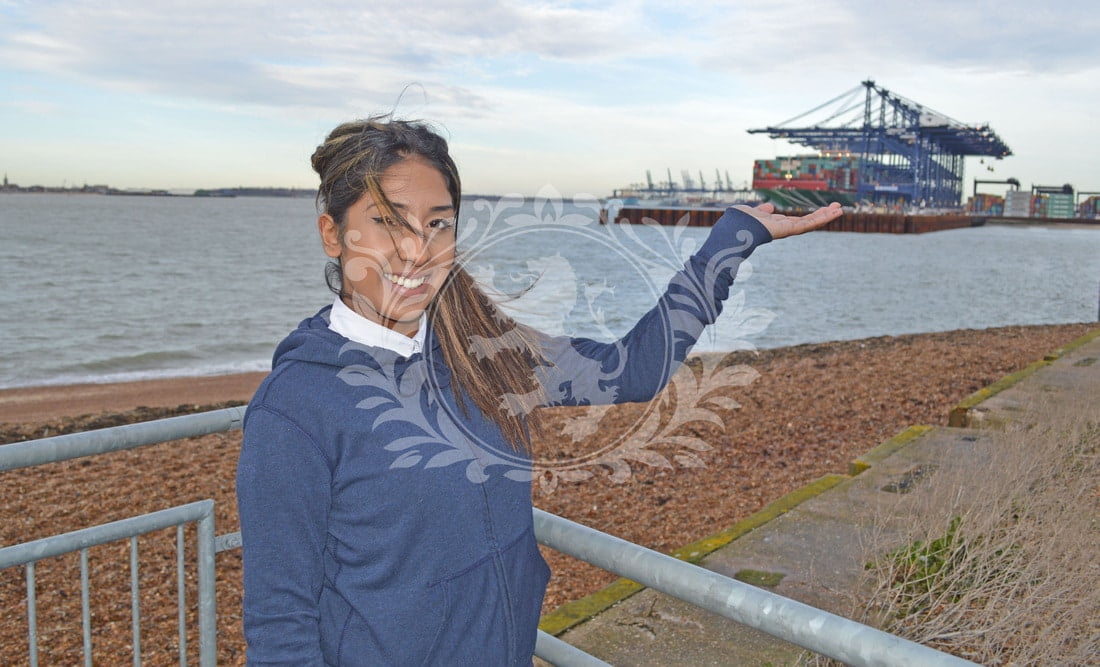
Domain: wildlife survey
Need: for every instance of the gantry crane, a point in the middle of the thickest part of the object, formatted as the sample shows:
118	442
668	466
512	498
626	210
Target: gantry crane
904	149
1011	182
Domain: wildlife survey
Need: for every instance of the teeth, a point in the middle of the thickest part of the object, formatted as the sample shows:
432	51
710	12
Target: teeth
407	283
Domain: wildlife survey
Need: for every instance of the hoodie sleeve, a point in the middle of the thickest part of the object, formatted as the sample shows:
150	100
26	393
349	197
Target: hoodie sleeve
283	494
637	366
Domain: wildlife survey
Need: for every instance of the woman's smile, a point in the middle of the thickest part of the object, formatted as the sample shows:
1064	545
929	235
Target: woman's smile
406	282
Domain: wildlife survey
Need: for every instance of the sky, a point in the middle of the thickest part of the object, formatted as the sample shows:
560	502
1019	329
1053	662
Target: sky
582	96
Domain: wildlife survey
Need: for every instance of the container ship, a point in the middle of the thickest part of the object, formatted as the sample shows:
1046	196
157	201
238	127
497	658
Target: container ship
802	182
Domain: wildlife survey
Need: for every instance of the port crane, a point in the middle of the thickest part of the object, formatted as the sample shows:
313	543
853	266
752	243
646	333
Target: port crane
671	188
1011	182
1066	189
904	149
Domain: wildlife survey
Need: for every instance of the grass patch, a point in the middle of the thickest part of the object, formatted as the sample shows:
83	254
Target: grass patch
759	578
1001	567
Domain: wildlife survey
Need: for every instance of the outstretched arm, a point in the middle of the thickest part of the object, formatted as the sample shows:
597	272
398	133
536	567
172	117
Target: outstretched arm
637	366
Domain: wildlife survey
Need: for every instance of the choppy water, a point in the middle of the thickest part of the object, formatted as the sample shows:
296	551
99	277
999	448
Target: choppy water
112	288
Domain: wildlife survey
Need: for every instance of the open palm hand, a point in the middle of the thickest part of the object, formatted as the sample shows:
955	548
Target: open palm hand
787	225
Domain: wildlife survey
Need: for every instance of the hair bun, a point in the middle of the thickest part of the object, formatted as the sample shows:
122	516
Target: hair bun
319	160
337	139
358	151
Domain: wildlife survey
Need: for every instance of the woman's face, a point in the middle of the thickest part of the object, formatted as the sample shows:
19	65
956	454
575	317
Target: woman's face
392	273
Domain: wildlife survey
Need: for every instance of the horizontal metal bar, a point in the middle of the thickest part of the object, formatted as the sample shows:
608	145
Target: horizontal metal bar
828	634
563	654
109	532
227	542
101	441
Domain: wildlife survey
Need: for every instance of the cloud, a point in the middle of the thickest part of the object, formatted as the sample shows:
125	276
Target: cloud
626	84
345	54
983	36
33	107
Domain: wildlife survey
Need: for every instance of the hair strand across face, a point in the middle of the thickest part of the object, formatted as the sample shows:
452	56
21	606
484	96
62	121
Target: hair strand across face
351	163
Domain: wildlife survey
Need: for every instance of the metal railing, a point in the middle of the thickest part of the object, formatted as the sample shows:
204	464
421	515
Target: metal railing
117	438
820	631
201	513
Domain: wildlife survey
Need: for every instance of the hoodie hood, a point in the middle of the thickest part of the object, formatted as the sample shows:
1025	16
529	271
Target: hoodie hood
313	342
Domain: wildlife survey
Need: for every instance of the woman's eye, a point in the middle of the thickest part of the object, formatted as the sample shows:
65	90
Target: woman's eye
386	220
442	223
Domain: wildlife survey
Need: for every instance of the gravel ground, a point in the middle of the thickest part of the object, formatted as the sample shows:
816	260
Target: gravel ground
731	435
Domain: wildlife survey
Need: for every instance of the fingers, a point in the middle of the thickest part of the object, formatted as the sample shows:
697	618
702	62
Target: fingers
823	213
781	226
826	213
821	216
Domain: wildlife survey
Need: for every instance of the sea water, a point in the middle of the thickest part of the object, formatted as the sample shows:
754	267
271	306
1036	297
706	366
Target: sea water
108	288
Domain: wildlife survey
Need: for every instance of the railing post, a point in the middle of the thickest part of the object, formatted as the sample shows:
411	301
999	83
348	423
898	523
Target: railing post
208	628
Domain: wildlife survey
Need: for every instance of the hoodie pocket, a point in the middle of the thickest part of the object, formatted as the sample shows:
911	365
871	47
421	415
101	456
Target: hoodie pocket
475	629
493	607
388	631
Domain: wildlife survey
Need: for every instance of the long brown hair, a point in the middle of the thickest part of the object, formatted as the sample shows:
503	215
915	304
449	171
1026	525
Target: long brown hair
351	163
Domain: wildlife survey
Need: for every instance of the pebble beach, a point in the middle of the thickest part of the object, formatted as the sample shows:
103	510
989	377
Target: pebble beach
796	414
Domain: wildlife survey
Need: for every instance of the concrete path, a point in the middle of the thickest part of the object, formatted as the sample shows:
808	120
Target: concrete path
807	546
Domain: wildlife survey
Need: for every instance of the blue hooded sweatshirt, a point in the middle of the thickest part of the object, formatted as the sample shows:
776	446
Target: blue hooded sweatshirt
383	526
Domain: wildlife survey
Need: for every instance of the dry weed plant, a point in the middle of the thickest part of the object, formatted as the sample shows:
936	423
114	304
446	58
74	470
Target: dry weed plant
1000	560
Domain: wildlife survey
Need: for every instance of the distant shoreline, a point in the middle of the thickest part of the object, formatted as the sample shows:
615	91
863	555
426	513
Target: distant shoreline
106	190
39	403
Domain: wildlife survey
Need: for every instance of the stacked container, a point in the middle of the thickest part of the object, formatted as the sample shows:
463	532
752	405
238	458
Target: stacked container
810	172
1090	208
1017	204
1038	206
1059	205
983	204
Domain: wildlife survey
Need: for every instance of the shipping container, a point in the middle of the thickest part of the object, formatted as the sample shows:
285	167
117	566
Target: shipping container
809	172
1017	204
986	204
1039	206
1090	208
1059	205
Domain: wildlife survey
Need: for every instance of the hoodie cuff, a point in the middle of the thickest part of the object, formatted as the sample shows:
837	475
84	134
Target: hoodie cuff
736	234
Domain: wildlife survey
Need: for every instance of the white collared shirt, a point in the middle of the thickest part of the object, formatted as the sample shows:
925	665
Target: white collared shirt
356	328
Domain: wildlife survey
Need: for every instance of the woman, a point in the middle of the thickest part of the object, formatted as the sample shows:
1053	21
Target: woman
375	530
